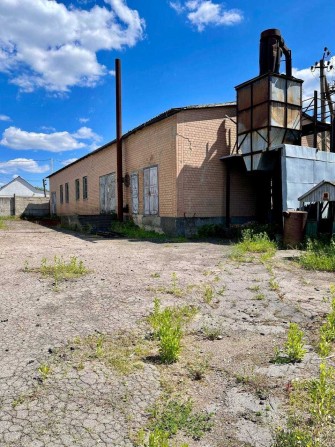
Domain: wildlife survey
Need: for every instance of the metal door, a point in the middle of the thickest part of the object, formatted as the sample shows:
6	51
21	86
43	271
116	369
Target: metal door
107	193
134	192
53	203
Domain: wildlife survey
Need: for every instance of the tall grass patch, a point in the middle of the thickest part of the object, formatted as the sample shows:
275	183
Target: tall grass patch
319	256
252	242
168	327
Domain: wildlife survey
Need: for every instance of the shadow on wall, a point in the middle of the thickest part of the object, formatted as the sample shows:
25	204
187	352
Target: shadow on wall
36	210
202	183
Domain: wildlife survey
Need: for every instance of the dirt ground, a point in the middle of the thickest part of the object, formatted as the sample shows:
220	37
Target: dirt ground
88	403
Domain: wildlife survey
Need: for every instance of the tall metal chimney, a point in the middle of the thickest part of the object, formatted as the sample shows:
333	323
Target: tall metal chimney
119	141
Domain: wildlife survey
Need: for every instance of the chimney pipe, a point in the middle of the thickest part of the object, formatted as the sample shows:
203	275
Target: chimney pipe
119	141
272	46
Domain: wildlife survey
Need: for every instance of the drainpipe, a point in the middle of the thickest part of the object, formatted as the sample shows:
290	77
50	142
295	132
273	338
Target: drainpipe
119	141
227	195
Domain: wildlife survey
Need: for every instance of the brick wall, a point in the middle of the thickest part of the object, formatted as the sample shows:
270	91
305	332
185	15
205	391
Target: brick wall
153	145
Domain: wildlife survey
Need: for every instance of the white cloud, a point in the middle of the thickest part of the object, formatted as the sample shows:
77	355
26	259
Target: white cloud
84	120
68	161
177	6
22	164
18	139
86	133
5	118
44	44
202	13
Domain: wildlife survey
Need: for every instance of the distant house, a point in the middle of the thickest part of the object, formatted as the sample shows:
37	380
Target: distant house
20	187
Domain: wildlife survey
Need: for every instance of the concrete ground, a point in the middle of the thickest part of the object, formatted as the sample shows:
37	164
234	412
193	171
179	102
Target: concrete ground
54	390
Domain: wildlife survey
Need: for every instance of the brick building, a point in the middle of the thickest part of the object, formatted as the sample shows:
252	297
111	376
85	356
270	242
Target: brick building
175	179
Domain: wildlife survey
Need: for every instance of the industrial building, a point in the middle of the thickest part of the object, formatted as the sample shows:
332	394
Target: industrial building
224	163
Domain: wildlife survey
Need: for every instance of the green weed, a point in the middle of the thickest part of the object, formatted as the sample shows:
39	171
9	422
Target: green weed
208	294
327	330
319	256
156	438
293	350
259	297
256	243
167	325
172	416
131	230
273	285
212	332
44	371
61	269
294	438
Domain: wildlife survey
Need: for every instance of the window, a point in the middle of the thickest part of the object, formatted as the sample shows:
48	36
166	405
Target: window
134	192
85	188
61	194
77	189
66	192
150	190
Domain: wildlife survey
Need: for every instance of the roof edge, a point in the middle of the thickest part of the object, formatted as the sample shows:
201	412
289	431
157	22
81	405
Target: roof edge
160	117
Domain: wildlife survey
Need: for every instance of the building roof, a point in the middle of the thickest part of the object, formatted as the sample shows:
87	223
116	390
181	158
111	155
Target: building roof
23	182
309	194
156	119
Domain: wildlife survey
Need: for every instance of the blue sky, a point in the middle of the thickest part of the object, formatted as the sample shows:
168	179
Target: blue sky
57	66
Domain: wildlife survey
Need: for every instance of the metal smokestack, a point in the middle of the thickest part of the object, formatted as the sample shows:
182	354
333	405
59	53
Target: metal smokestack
272	46
119	141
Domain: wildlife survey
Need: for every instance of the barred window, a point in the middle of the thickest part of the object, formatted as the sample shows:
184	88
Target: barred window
77	184
61	194
66	192
85	194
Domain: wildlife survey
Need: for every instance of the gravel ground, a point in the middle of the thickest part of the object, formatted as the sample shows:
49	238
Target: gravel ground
82	401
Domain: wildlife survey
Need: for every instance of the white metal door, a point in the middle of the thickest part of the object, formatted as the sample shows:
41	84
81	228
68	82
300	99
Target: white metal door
151	190
107	193
134	192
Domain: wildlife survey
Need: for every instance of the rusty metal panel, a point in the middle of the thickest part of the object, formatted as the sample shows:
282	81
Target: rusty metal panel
260	91
260	116
293	118
244	121
277	89
244	97
294	93
277	114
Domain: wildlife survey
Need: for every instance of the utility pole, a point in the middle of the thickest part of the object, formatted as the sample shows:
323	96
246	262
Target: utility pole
44	182
323	66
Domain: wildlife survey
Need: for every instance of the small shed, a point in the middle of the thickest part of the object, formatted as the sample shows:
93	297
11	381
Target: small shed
319	202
